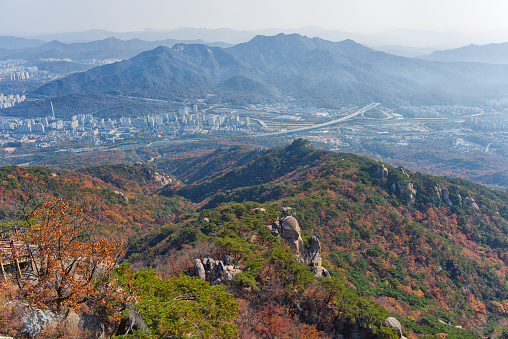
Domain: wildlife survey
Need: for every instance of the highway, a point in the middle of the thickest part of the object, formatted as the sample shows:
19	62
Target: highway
347	117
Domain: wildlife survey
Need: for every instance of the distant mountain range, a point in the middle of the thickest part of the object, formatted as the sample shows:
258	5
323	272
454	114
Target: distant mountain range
110	48
275	68
491	53
11	42
400	37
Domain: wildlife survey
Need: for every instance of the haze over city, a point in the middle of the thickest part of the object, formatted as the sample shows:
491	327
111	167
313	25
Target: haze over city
31	17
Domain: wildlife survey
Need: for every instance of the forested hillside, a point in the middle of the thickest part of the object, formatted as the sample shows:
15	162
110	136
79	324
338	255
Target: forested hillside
429	251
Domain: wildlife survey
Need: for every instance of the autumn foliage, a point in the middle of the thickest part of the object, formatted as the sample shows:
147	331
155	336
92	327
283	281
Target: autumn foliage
70	263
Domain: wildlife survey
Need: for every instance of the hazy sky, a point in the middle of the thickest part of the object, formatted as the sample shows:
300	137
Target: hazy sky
365	16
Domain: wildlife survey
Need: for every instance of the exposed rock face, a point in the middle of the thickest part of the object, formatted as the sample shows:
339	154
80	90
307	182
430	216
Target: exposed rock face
381	172
393	322
411	191
398	189
216	271
162	179
314	259
36	320
290	228
403	170
459	197
290	232
469	202
199	269
89	324
443	195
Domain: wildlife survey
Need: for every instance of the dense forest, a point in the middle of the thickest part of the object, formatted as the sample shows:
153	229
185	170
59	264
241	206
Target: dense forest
207	252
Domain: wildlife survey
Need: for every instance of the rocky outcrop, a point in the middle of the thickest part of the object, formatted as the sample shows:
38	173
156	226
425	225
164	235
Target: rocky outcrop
199	269
216	271
162	179
459	197
411	191
403	170
86	323
399	189
35	320
393	322
443	195
289	231
381	172
314	258
469	202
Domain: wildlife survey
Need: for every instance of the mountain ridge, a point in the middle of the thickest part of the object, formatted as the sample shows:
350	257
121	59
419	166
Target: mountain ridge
269	64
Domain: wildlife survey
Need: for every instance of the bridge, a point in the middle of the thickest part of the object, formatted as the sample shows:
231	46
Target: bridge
325	124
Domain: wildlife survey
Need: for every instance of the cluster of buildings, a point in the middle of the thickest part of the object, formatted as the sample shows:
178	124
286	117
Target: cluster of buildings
497	102
16	70
434	111
95	62
88	128
419	111
10	100
487	123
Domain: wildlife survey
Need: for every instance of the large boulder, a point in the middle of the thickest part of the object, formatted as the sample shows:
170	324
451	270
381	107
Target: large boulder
88	324
314	258
290	232
199	269
393	322
216	271
290	228
443	195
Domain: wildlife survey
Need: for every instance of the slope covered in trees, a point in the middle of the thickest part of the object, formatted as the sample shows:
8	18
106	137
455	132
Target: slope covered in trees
118	196
430	251
425	247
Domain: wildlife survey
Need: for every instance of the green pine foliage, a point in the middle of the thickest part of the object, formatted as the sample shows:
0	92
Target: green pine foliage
181	307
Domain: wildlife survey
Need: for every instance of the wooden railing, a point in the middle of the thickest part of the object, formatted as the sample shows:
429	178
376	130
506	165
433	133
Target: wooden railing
14	253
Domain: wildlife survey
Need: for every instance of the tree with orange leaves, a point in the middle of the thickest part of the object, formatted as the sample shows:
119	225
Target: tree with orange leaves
71	266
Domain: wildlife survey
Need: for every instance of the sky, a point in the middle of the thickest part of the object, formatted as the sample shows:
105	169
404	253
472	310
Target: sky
31	17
